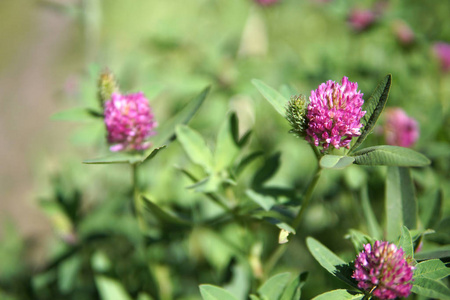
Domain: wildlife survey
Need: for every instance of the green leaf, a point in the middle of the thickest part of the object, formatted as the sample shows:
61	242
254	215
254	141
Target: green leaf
277	100
268	170
390	156
110	289
226	149
433	269
274	287
293	290
430	288
165	218
401	203
207	185
406	242
331	262
430	210
339	295
266	202
195	147
373	107
166	132
77	114
442	252
336	161
247	160
287	90
372	223
124	158
211	292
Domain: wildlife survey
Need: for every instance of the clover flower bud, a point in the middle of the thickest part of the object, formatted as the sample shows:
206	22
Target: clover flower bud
296	111
129	122
442	51
383	271
400	129
334	114
107	85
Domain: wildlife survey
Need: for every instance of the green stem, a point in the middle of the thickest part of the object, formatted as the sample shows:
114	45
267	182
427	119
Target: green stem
307	198
136	200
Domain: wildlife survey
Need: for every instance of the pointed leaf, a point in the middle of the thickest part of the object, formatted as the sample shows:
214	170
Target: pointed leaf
287	90
390	156
373	107
266	202
372	223
277	100
109	288
211	292
336	161
293	290
359	239
247	160
274	287
406	242
195	146
433	269
123	158
77	114
166	131
163	216
442	252
330	261
401	203
339	295
268	170
226	149
430	288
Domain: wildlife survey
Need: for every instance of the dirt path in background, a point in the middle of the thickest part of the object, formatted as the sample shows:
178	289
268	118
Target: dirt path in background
28	86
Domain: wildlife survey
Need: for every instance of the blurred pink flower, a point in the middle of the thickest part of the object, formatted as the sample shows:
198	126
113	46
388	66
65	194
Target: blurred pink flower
129	122
405	35
266	2
334	114
400	129
442	51
383	270
360	19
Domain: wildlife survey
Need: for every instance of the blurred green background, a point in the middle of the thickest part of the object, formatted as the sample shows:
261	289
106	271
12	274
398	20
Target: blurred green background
53	51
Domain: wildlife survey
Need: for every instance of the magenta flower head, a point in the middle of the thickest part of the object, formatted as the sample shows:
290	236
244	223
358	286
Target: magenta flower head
384	271
334	114
400	129
360	19
442	51
129	122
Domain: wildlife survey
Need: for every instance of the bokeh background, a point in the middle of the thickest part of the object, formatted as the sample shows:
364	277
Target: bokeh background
53	51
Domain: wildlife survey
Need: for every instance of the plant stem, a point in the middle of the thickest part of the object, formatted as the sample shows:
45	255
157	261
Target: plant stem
307	198
136	200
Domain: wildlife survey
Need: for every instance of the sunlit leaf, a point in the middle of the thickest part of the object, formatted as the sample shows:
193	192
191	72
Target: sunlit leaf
277	100
336	161
330	261
390	156
211	292
195	147
274	287
339	295
109	288
433	269
430	288
406	242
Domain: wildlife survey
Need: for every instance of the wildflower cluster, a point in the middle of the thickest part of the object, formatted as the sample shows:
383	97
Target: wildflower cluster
334	114
384	271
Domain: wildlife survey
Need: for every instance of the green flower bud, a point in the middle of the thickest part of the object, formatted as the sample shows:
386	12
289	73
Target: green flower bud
296	112
107	85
